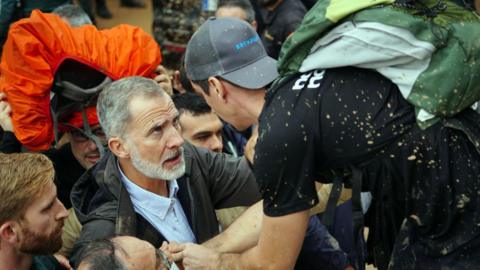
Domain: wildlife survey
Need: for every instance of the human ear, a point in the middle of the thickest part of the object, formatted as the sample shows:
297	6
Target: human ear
9	232
118	147
218	88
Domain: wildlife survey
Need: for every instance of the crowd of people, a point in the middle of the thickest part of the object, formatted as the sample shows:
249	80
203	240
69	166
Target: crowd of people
241	134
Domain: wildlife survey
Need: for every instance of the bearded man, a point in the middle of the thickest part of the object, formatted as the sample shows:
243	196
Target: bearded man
153	185
31	216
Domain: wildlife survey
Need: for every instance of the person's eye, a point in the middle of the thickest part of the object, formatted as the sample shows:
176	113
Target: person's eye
99	133
202	138
48	208
176	122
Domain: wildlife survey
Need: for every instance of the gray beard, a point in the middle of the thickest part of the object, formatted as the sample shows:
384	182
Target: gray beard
156	171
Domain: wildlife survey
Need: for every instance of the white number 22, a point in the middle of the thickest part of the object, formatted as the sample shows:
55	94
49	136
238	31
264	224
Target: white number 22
315	80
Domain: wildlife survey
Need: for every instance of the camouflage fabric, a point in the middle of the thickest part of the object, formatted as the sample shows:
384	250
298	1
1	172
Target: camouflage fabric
174	22
448	84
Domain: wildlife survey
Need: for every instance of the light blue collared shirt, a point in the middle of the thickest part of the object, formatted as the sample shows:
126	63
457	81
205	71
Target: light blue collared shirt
165	214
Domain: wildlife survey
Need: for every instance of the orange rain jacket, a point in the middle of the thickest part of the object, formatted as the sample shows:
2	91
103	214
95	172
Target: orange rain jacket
36	46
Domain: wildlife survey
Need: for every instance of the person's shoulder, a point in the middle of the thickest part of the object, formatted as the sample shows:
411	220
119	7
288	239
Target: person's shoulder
357	78
94	195
292	10
292	85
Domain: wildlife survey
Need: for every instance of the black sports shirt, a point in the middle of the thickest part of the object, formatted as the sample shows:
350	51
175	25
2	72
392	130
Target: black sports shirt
318	121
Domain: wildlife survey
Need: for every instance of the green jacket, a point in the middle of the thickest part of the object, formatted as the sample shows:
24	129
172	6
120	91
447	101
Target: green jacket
445	81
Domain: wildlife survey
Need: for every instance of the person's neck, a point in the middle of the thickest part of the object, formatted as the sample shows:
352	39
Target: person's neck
253	105
10	258
157	186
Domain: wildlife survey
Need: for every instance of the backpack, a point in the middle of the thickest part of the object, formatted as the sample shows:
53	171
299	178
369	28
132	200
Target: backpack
428	48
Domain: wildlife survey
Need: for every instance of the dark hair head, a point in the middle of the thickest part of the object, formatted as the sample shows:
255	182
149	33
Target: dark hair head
184	81
191	103
100	255
203	85
245	5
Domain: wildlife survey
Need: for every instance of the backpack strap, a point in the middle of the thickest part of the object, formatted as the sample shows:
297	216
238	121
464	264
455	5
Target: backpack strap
87	130
357	216
328	216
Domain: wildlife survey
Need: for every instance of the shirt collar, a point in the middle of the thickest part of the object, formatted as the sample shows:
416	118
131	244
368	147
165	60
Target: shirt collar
149	201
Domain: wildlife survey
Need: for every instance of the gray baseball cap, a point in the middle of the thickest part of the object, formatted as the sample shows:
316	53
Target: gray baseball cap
231	49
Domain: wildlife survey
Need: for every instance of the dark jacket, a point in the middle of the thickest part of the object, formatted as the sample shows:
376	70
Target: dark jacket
281	23
45	262
211	181
13	10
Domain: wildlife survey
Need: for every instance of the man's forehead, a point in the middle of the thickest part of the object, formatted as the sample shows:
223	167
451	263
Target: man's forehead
202	121
47	194
142	103
150	109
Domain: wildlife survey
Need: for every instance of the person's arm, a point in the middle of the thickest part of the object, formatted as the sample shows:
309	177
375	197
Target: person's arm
242	234
274	250
285	168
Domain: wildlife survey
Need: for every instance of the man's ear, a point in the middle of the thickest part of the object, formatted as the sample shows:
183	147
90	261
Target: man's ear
118	147
177	84
254	25
9	232
216	87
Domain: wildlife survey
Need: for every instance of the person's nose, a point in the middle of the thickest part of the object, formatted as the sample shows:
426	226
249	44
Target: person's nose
63	212
175	139
216	144
91	146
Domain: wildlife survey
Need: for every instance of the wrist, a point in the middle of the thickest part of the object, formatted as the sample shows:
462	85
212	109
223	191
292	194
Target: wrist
214	245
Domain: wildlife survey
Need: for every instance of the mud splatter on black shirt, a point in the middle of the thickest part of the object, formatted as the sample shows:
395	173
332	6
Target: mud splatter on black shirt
324	121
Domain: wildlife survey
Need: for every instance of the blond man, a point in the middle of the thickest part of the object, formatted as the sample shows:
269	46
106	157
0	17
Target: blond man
31	216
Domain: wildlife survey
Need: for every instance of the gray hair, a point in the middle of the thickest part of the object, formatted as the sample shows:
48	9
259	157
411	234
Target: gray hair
73	14
245	5
113	103
101	254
